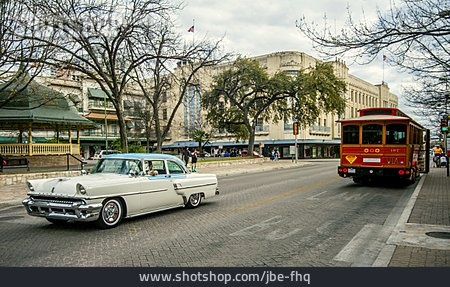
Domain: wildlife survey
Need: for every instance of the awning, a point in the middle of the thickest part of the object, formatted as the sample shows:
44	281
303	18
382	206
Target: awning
101	116
96	93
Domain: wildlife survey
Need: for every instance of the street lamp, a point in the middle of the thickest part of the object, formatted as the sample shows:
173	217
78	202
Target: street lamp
106	125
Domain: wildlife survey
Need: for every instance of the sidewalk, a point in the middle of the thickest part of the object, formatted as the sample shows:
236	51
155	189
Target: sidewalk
428	210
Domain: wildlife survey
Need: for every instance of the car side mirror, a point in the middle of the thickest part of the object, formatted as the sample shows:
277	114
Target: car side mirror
84	172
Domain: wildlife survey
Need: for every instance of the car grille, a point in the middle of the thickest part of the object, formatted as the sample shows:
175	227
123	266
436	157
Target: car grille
64	208
55	200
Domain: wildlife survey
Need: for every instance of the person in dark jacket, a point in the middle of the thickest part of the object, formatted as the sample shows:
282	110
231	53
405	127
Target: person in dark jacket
186	154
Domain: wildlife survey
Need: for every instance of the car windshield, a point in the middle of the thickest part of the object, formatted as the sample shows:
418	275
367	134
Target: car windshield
119	166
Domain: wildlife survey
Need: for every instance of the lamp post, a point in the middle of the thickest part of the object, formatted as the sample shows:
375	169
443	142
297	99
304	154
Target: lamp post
106	125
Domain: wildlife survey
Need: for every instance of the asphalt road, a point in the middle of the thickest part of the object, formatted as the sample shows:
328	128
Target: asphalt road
304	216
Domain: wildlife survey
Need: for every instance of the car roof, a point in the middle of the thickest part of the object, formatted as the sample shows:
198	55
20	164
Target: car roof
149	156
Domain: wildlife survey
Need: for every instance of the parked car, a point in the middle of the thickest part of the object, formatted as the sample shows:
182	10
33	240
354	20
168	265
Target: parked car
100	153
119	186
255	154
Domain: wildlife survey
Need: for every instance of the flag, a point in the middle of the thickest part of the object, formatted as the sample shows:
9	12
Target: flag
384	57
191	29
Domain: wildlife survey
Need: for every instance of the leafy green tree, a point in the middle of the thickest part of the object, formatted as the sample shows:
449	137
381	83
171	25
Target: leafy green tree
202	137
245	94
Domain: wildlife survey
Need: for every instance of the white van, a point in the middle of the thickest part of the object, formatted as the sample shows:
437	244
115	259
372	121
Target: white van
100	153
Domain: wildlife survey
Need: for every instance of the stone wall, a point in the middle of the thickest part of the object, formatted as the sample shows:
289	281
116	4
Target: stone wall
18	178
51	161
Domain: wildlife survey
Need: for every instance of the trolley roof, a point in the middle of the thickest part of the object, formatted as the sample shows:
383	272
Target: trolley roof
399	116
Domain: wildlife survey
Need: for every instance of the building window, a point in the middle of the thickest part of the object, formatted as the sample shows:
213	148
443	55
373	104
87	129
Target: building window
292	72
192	108
165	114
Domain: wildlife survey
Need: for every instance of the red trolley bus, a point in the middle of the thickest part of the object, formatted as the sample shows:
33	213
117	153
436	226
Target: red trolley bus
381	142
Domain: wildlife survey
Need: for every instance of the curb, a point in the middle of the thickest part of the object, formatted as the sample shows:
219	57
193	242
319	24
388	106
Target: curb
6	205
386	253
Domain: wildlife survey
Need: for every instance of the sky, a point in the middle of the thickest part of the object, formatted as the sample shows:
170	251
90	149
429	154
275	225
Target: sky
258	27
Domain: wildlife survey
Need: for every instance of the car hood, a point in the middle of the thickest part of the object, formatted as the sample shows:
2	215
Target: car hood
67	186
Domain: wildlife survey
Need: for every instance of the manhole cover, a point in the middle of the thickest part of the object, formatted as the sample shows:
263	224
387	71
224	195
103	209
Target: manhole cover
440	235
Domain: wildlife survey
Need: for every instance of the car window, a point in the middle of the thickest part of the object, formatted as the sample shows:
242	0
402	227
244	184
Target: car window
174	168
120	166
157	165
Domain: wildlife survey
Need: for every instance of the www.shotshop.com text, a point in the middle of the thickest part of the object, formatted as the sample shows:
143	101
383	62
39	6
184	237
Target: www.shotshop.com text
265	277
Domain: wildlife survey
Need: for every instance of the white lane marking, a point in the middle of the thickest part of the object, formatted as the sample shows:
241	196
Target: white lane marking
317	195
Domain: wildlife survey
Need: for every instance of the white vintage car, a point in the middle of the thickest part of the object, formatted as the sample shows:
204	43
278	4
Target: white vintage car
120	186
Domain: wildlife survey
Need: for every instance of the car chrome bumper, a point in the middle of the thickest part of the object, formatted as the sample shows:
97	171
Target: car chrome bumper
75	211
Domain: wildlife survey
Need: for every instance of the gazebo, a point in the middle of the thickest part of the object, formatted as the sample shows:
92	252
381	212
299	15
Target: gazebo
26	106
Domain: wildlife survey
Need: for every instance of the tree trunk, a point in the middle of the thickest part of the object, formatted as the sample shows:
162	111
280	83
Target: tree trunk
122	127
159	135
251	140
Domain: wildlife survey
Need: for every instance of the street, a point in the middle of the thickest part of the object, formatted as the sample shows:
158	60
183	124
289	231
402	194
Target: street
306	216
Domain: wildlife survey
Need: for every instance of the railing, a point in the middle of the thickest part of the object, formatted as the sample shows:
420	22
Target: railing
39	149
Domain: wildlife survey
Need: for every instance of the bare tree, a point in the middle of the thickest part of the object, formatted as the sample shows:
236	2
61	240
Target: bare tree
168	75
94	36
414	35
16	70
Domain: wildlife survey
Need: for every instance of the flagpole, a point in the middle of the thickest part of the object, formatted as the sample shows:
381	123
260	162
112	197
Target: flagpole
193	31
384	59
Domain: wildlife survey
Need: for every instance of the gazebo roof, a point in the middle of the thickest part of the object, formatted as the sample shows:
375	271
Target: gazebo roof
24	103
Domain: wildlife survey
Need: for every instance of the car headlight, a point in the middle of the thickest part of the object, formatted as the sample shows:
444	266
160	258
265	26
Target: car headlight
81	189
30	186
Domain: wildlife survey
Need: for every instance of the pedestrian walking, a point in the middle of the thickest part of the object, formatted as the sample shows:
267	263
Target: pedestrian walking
194	157
186	155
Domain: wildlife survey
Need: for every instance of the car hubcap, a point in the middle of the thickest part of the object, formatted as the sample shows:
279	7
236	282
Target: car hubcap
111	212
195	198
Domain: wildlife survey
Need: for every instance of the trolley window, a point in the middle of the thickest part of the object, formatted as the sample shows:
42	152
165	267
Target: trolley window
372	134
350	134
395	134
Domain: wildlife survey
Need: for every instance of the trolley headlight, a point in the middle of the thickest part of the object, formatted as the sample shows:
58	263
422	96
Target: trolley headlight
81	189
30	186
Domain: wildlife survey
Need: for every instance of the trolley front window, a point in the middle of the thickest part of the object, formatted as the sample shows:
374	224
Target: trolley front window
372	134
395	134
350	134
